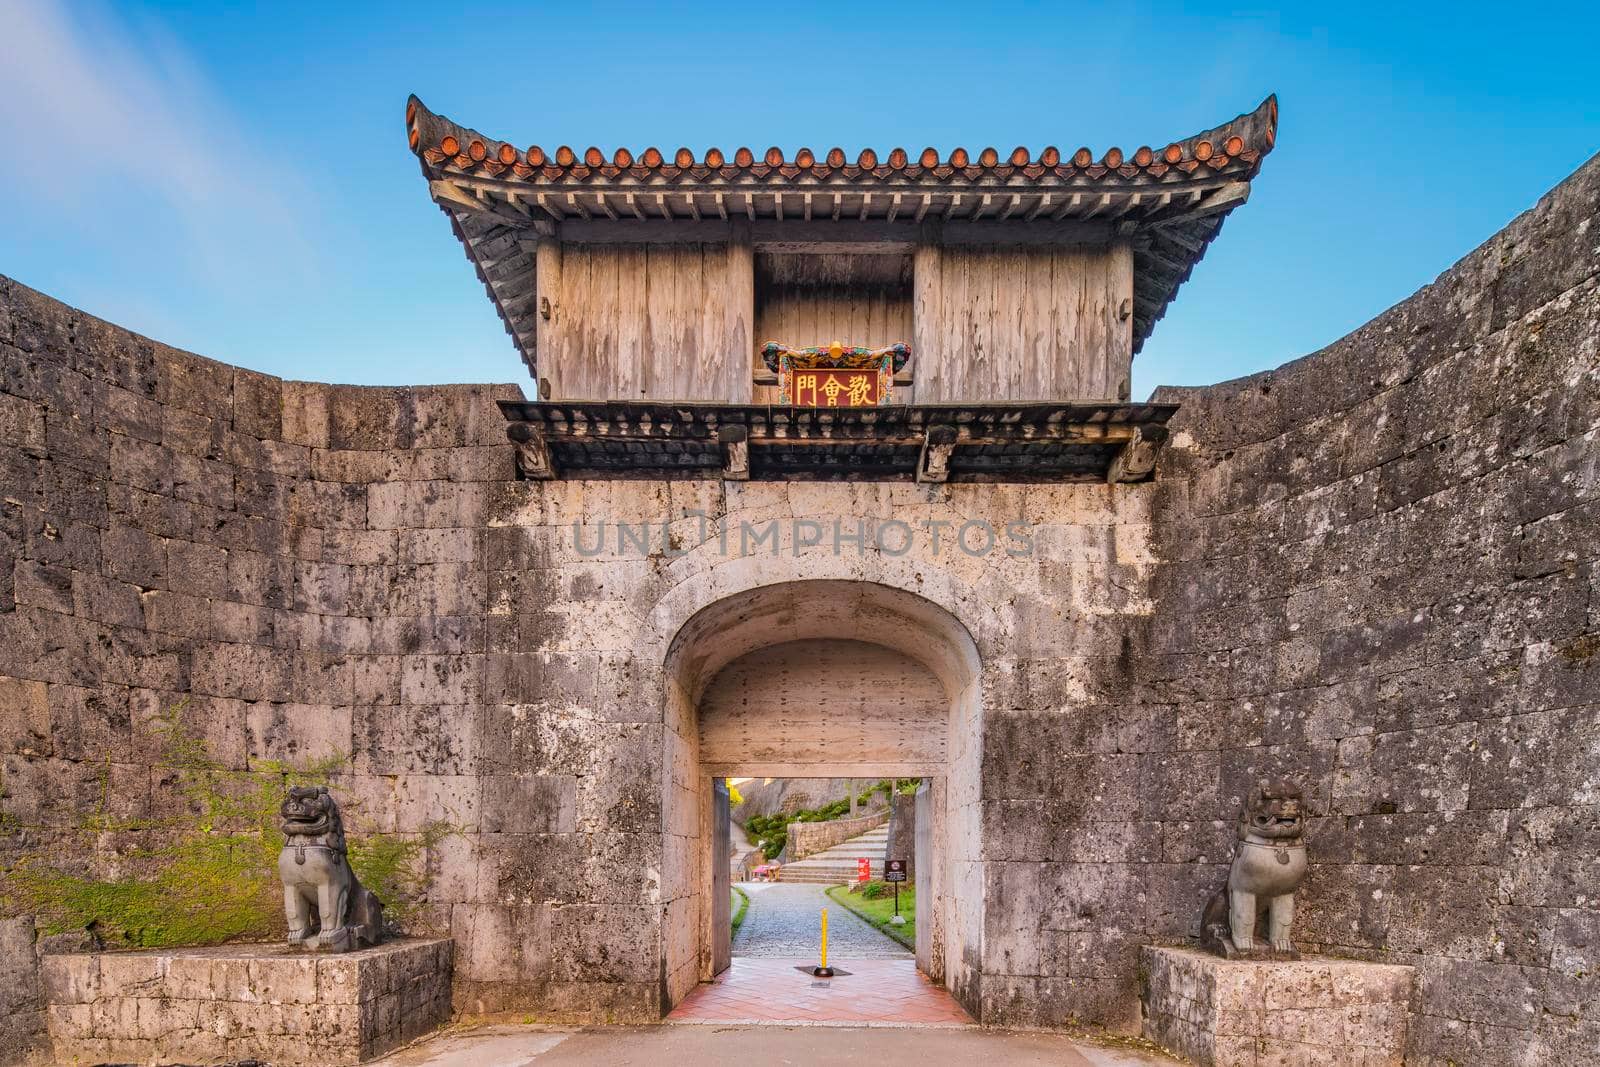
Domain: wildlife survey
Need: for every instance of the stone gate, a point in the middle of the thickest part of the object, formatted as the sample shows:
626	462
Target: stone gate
1373	569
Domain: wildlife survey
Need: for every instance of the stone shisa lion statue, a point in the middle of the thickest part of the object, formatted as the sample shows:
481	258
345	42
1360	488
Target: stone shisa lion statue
326	905
1269	864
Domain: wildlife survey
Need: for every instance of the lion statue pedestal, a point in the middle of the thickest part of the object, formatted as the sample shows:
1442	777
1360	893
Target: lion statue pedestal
327	907
1268	866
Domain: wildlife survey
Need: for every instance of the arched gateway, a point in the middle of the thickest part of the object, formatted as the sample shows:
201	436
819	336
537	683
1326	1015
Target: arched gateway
1371	570
822	678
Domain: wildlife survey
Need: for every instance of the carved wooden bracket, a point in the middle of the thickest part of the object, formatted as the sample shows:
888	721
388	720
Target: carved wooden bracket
735	452
1137	460
938	444
533	454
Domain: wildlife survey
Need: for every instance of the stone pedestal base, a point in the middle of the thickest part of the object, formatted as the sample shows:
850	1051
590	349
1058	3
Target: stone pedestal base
245	1002
1222	1013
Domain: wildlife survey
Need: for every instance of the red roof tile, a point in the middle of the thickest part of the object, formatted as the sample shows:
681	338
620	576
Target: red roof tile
1239	145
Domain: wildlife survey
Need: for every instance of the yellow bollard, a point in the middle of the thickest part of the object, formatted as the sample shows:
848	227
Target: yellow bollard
822	970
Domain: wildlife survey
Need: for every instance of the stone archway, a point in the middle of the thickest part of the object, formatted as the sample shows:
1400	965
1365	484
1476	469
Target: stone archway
742	652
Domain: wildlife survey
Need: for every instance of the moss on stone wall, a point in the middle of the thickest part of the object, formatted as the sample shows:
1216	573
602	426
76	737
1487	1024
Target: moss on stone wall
205	872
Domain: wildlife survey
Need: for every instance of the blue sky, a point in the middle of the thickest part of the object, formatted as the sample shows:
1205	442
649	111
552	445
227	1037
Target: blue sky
234	179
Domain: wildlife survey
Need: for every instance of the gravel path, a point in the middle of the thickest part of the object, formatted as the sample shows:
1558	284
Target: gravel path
783	920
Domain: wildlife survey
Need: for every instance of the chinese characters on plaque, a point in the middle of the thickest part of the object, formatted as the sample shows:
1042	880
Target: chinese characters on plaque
829	387
835	376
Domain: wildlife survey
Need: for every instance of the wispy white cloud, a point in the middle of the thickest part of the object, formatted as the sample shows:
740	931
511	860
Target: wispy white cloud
104	118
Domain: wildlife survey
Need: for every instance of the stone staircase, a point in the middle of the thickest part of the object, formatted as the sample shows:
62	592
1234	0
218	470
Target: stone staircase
837	865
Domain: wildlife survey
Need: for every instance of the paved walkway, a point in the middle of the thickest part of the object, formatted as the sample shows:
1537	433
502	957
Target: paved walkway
872	993
654	1046
783	921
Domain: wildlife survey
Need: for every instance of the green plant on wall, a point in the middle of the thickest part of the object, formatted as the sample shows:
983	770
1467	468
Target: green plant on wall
205	871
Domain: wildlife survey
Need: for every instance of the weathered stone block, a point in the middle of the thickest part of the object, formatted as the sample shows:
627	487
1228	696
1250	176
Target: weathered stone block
1222	1013
259	1002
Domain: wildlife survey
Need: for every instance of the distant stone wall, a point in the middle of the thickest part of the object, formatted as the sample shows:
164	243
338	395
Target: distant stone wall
772	795
809	838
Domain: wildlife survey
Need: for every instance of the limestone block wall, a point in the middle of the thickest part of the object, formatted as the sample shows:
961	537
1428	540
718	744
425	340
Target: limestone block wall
1379	574
809	838
22	1006
1375	571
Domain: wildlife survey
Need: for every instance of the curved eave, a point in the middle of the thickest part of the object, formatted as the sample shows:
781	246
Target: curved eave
1169	202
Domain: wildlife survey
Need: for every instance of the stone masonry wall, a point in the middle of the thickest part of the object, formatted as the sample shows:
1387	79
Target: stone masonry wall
177	530
1375	572
809	838
22	1008
1379	576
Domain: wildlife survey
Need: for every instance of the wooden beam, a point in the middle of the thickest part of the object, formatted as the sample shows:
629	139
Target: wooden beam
1074	202
824	770
1071	232
823	236
547	283
454	196
646	231
1085	433
1225	198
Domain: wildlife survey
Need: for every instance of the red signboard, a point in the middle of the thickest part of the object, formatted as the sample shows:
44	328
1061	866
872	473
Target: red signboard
863	870
834	376
835	387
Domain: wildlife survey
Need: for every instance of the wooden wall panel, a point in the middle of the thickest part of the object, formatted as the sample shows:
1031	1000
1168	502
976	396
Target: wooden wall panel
806	299
646	321
1022	324
807	706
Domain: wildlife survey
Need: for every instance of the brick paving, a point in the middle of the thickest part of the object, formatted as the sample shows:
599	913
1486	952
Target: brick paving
783	921
795	1043
876	993
780	932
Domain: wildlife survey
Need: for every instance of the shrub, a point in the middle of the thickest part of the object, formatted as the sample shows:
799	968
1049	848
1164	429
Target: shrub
206	873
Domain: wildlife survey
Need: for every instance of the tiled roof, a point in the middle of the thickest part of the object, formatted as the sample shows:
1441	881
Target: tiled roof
1236	147
1168	203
